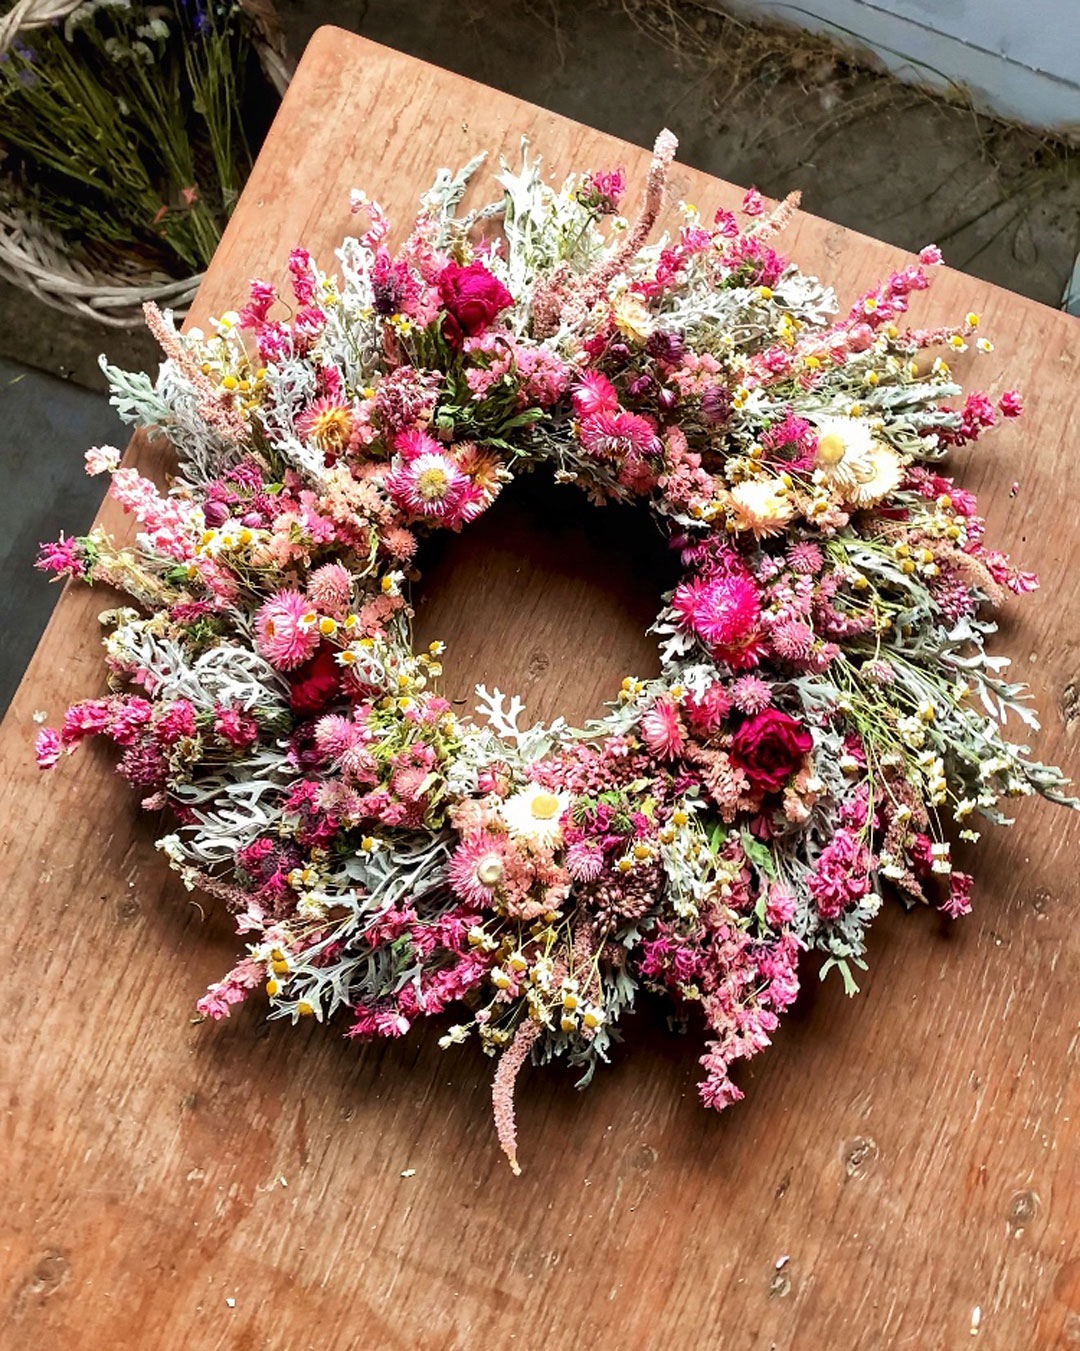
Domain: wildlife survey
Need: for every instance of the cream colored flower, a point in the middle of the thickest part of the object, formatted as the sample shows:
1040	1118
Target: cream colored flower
533	815
843	451
632	317
761	506
885	473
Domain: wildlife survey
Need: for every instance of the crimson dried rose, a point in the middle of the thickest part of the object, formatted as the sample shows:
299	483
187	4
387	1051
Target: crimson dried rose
472	298
769	748
316	683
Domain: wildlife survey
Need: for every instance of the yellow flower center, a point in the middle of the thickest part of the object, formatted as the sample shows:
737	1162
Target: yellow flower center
544	807
831	449
431	484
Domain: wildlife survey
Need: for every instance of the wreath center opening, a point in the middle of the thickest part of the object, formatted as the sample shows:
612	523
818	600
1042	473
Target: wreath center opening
547	596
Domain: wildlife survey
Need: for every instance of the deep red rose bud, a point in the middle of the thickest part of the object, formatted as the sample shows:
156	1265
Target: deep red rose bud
769	748
472	298
315	684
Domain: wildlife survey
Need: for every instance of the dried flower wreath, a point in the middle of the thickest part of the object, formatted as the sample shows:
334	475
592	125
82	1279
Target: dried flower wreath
825	707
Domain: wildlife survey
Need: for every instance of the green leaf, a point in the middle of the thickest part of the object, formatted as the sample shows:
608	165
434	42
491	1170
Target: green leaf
759	854
841	964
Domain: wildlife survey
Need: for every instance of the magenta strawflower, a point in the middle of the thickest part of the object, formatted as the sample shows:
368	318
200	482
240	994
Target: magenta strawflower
594	393
723	612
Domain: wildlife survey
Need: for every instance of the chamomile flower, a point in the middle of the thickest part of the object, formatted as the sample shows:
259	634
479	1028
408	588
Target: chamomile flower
534	815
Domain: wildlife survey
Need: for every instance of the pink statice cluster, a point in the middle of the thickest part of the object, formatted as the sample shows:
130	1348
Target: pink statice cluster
814	738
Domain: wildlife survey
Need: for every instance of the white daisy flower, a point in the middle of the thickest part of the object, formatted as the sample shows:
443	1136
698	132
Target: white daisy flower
533	815
844	448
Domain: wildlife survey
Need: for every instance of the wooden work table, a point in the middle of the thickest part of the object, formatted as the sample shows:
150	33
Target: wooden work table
900	1159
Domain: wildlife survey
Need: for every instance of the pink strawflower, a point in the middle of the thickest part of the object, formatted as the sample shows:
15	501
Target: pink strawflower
613	435
1011	404
427	484
930	256
594	393
478	867
662	730
282	631
328	422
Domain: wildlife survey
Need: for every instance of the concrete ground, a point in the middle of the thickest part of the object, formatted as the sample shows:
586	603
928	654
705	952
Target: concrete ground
749	105
47	424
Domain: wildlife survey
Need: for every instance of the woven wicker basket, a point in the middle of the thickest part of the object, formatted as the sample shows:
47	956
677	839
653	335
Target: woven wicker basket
36	259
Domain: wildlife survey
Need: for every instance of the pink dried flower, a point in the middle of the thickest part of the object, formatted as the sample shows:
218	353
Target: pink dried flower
609	436
217	1002
805	558
328	422
602	192
502	1088
750	694
283	633
594	393
428	483
723	612
792	640
101	459
65	557
662	730
237	728
329	589
47	748
584	860
842	876
478	867
706	714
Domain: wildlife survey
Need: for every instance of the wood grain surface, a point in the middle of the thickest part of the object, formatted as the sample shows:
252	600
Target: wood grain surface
901	1159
